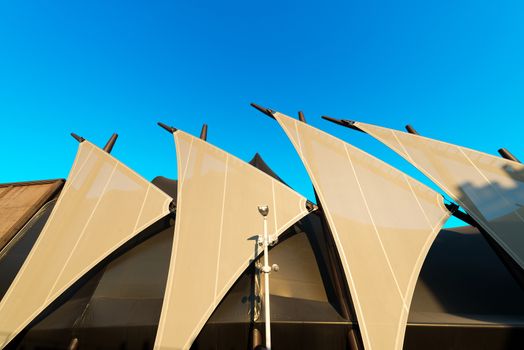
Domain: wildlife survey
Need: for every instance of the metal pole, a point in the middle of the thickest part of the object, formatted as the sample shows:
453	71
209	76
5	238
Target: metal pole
411	130
203	132
508	155
301	117
110	143
266	269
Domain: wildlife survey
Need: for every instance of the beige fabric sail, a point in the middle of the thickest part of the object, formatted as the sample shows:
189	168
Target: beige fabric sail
216	231
383	223
489	188
103	205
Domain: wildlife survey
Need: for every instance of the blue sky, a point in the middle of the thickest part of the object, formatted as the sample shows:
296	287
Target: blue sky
453	69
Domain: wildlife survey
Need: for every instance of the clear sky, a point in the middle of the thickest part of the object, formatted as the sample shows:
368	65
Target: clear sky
453	69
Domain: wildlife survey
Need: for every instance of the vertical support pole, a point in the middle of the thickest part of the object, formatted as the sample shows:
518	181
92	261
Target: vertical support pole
266	269
256	338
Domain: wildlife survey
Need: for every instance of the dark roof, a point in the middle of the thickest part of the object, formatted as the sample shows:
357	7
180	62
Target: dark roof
259	163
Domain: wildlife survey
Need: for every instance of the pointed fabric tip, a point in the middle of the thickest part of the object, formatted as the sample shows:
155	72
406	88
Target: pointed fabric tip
166	127
78	138
266	111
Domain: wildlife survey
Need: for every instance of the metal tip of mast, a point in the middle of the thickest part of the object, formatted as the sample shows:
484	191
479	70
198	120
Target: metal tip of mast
203	132
110	143
344	122
333	120
301	117
78	138
411	130
504	153
348	122
168	128
266	111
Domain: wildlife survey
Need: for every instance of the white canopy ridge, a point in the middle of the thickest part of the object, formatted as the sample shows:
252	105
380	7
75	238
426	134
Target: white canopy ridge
383	223
489	188
216	232
102	205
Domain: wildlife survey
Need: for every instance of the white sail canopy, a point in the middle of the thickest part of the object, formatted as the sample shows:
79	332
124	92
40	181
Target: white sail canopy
216	231
489	188
383	223
102	206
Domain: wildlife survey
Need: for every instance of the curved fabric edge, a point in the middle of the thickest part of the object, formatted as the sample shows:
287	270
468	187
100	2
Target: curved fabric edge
498	172
354	187
216	227
102	205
